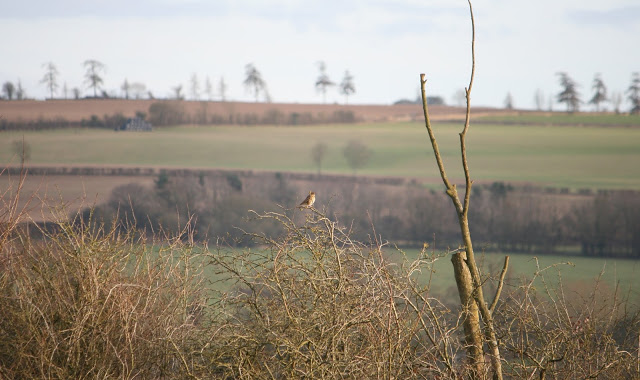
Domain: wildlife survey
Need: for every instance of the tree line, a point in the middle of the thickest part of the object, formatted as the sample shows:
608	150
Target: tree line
94	81
503	218
254	83
168	112
572	98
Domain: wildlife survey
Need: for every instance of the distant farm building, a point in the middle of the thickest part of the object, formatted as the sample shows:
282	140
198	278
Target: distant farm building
136	124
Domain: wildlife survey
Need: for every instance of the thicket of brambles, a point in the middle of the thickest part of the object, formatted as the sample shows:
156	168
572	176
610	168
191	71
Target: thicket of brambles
503	218
101	297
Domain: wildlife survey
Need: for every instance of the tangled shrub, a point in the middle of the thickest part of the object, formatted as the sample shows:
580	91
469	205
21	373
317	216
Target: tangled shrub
87	303
559	333
315	304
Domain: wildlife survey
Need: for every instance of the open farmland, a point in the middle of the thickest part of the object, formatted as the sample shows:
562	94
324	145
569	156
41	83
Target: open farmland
561	118
548	156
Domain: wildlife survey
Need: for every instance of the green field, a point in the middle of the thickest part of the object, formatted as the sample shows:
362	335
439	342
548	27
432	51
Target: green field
574	157
577	119
578	277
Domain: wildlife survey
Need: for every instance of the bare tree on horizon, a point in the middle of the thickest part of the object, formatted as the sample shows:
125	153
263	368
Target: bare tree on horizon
508	101
177	90
208	88
253	81
8	89
50	78
600	92
195	87
569	93
222	88
539	99
20	93
347	87
323	81
125	88
92	76
616	101
634	93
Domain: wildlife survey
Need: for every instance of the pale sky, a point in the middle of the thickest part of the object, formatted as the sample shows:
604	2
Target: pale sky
385	44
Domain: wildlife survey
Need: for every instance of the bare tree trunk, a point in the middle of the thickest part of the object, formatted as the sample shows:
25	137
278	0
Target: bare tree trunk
466	272
471	318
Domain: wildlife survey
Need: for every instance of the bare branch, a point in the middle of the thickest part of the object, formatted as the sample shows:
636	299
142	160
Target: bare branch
463	134
500	285
432	137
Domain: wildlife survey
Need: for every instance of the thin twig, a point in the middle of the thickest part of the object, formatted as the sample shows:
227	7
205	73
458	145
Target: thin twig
500	285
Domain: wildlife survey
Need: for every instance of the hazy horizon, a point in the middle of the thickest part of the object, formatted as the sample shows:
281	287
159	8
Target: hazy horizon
384	44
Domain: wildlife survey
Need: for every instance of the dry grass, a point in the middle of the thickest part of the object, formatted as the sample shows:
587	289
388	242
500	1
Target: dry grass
90	304
89	301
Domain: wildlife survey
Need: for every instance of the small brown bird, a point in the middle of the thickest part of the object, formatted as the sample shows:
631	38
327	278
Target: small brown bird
308	201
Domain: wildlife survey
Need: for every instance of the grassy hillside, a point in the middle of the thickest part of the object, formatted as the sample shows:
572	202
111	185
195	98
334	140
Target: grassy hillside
575	157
